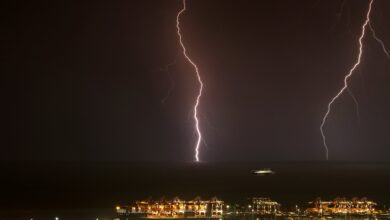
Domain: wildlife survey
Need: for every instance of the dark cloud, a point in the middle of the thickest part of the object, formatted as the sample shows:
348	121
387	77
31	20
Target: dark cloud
81	80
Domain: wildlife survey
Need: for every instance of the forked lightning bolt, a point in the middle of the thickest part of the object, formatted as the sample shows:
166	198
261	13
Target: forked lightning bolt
345	87
367	22
199	134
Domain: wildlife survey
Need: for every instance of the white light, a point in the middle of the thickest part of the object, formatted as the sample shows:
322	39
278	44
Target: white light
345	86
195	116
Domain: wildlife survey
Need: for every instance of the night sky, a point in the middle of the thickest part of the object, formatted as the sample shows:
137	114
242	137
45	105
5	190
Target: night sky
83	80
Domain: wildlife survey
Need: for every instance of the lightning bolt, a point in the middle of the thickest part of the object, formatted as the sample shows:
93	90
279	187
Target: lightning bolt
345	87
378	40
195	116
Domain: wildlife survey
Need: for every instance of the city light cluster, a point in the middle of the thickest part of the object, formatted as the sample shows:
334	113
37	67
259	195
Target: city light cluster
175	208
258	206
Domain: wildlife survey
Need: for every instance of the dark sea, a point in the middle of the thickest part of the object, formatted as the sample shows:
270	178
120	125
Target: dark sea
91	190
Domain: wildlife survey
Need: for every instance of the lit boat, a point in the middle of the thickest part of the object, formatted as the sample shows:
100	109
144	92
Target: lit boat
263	172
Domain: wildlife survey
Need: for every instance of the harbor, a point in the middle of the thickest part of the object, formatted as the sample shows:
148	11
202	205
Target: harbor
256	208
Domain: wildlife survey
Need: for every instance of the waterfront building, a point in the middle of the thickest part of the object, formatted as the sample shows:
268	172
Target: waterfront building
264	206
342	206
175	208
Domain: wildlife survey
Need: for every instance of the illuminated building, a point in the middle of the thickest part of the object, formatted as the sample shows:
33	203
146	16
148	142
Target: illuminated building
178	207
264	206
121	210
216	207
342	206
198	207
175	208
258	208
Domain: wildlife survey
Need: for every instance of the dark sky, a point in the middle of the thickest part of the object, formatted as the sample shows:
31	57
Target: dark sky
83	80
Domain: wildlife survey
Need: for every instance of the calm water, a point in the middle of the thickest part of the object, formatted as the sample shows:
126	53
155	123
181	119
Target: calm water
51	214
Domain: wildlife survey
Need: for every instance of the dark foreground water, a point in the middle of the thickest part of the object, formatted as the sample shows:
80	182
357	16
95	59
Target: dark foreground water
91	190
61	214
